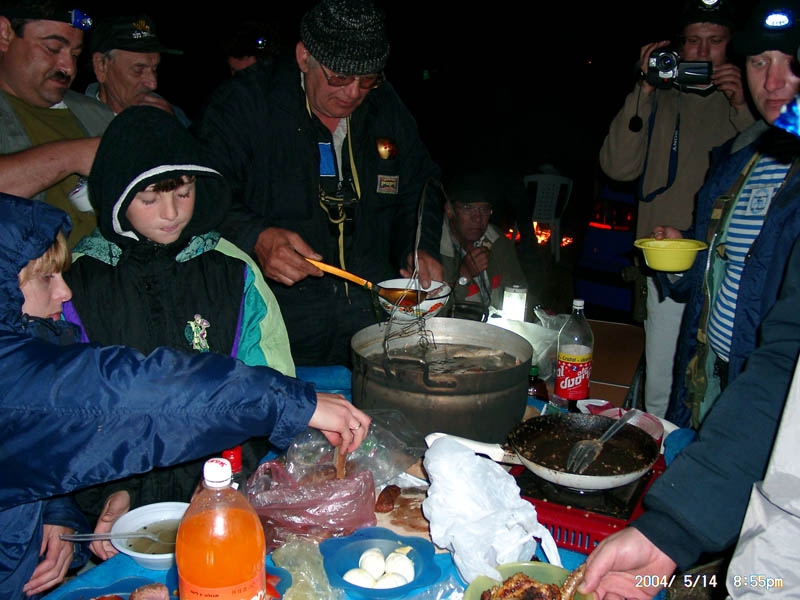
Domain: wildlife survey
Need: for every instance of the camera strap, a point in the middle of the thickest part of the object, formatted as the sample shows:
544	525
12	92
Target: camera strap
673	152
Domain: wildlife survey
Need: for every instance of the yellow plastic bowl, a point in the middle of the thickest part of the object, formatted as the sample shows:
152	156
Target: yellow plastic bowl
671	255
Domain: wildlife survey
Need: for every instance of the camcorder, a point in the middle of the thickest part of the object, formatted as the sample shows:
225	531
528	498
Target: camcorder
665	69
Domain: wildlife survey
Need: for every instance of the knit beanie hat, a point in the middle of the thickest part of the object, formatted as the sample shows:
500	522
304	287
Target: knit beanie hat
773	25
721	12
347	36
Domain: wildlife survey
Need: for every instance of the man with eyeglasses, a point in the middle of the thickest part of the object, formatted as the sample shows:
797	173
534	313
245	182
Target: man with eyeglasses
49	133
326	163
478	260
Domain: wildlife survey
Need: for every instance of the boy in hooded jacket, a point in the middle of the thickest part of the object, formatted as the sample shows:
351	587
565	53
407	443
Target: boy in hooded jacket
155	272
76	415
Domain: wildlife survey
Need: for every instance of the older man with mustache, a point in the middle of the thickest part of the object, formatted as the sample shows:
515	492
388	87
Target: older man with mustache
49	134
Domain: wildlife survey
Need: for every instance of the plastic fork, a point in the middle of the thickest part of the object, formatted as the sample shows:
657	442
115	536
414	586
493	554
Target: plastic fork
89	537
584	452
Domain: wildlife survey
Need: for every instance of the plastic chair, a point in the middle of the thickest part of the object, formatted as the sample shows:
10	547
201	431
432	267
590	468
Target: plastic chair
552	195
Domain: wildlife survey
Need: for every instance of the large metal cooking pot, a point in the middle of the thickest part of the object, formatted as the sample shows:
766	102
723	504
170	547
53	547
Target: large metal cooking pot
542	444
481	403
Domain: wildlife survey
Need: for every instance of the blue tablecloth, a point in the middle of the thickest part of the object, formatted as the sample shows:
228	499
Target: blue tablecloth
326	379
122	567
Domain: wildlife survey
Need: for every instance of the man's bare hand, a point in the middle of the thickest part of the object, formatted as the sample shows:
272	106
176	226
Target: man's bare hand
644	56
728	79
57	556
117	504
282	255
430	269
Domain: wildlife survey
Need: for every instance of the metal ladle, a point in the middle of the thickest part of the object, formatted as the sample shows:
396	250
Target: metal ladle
403	297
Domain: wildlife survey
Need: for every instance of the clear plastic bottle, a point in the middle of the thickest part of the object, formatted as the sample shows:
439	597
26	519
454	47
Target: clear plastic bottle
537	388
220	549
234	456
574	368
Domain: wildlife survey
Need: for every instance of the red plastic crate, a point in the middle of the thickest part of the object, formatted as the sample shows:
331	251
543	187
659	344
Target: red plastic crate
581	530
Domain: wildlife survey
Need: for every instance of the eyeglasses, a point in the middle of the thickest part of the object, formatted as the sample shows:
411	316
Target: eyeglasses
365	82
475	209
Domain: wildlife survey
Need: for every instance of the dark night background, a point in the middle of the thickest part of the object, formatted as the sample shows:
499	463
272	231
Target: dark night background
503	85
515	85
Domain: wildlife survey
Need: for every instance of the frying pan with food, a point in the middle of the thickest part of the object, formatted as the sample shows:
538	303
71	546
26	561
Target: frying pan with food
542	444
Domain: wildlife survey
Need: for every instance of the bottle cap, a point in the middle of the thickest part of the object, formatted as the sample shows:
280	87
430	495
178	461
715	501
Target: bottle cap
534	371
217	473
577	303
234	456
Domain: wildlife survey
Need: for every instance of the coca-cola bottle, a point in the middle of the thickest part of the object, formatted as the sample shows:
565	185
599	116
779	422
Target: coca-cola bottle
574	368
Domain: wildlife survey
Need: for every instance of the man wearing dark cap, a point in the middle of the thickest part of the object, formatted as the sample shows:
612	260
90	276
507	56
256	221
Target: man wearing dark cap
326	163
478	260
663	136
125	56
48	133
749	213
250	42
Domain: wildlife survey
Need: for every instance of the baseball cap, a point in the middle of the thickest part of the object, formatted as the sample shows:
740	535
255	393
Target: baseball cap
347	36
132	33
773	25
51	10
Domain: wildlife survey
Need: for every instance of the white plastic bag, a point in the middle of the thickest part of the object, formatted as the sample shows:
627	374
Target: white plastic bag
475	511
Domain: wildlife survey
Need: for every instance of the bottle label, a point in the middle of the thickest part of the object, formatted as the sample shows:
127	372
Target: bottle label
255	589
573	372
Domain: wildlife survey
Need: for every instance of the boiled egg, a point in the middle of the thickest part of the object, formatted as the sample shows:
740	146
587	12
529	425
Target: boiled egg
359	577
373	562
390	580
400	564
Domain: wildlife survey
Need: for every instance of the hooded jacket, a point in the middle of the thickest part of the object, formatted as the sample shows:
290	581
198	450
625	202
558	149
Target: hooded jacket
80	414
129	290
198	294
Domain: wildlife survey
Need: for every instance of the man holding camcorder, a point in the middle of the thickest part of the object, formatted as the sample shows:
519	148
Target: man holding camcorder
688	100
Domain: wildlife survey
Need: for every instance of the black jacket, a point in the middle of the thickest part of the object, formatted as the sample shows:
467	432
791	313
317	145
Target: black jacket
264	141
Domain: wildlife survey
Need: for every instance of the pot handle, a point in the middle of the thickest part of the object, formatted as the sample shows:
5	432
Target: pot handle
493	451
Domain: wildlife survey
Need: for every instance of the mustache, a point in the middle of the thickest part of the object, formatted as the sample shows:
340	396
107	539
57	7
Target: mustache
61	76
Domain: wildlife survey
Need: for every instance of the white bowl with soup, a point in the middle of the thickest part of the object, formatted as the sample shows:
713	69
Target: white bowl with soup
161	519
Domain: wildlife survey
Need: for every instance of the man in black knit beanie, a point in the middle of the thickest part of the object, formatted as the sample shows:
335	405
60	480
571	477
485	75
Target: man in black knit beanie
326	163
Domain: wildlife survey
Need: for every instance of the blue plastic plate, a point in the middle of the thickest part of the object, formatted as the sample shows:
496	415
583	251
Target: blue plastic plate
124	587
339	555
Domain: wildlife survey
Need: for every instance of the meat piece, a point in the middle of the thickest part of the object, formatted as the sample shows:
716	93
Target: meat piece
151	591
339	461
521	587
571	584
386	499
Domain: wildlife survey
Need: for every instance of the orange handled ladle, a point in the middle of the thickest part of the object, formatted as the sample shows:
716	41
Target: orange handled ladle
403	297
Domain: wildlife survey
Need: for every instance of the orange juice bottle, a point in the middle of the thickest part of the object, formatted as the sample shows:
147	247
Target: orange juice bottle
220	549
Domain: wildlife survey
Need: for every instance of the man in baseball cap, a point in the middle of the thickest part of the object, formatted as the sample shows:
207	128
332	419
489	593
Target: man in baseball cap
50	133
126	53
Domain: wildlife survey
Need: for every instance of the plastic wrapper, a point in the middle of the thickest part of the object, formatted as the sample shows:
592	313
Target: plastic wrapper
303	560
475	511
542	338
316	507
391	446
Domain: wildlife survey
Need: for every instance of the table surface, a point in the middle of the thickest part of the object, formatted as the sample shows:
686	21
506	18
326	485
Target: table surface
326	379
122	566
